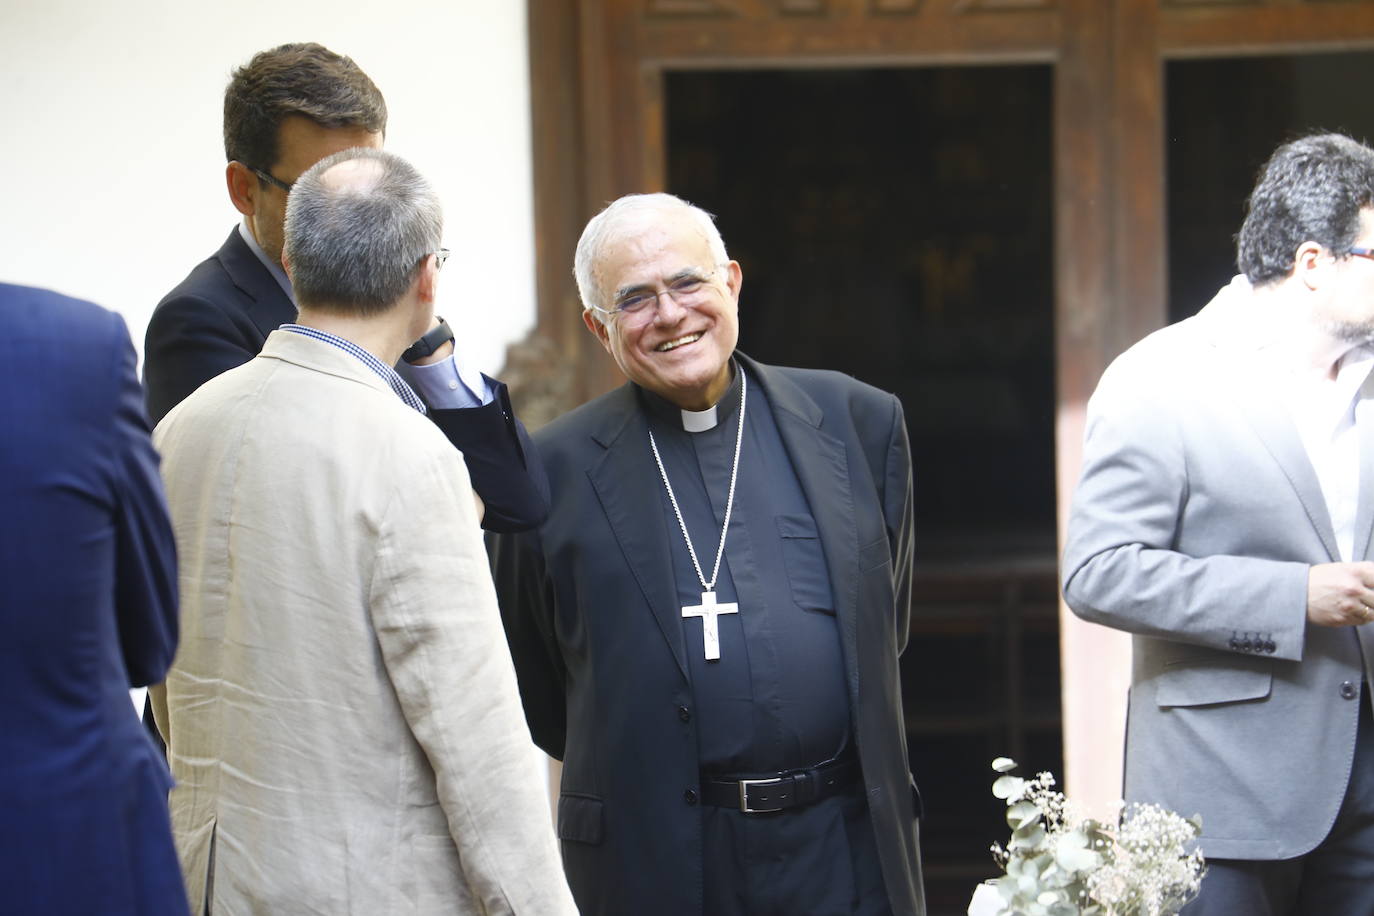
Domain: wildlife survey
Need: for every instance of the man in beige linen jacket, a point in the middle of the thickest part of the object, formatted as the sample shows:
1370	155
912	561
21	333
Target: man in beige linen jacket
342	717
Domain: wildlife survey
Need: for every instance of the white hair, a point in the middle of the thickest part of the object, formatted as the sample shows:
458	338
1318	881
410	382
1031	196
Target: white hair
618	220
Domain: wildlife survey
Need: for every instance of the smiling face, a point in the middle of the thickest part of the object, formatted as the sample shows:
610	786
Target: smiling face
681	352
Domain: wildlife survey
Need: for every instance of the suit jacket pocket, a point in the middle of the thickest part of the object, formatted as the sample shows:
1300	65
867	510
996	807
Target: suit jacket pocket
1222	678
579	818
805	560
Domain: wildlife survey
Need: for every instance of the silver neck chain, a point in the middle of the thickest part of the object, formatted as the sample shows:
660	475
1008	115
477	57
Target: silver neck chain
729	502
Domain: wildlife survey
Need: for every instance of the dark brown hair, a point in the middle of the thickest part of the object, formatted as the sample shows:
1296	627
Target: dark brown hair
305	79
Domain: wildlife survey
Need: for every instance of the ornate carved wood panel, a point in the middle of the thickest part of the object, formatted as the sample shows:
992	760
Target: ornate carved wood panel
671	8
820	31
1228	27
896	7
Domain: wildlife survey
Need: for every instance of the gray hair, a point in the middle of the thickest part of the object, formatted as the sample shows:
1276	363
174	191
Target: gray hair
355	246
617	221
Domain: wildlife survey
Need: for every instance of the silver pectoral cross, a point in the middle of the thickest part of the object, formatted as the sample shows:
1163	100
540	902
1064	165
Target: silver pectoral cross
708	611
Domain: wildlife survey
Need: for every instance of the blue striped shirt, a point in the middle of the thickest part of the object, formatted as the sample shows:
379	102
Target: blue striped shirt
388	374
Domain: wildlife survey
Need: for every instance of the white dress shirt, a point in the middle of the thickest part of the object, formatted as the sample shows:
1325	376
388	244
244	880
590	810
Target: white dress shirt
1325	412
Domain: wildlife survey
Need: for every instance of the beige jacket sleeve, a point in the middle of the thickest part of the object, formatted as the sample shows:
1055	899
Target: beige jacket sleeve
434	610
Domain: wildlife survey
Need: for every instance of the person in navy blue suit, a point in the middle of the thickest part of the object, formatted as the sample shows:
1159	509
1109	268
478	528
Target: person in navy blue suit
89	610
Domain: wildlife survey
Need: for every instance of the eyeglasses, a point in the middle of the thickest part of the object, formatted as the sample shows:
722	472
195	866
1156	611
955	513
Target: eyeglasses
687	290
1363	253
268	177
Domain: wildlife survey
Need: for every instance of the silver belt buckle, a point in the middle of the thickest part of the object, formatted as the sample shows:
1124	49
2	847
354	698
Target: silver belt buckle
744	785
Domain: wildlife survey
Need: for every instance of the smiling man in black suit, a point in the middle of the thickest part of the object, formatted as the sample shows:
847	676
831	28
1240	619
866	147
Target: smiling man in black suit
706	629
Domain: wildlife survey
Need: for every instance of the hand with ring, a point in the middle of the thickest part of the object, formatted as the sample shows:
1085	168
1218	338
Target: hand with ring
1340	594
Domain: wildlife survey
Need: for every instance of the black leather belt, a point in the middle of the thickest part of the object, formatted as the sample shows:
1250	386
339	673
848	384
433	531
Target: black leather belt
792	789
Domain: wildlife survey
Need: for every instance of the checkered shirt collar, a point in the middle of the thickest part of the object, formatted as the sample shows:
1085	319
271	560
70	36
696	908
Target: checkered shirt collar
388	374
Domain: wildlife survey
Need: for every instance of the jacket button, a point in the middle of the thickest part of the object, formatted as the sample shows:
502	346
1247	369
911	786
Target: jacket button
690	796
1245	645
1270	647
1349	690
1235	643
684	714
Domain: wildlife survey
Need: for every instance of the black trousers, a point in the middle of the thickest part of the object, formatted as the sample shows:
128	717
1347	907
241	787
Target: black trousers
1335	879
821	860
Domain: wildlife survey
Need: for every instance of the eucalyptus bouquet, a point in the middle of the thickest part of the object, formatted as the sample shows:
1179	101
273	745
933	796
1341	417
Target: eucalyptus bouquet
1058	863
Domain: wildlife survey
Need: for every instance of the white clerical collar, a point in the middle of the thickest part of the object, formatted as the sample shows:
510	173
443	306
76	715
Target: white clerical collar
698	421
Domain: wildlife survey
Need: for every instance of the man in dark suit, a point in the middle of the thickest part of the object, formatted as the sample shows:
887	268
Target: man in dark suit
89	565
706	629
285	110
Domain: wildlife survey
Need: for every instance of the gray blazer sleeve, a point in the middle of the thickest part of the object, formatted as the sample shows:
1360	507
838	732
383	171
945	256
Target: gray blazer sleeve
1125	565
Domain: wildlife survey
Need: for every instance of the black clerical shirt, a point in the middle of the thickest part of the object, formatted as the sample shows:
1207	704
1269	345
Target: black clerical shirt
776	698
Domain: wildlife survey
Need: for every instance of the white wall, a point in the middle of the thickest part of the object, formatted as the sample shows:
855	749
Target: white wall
112	152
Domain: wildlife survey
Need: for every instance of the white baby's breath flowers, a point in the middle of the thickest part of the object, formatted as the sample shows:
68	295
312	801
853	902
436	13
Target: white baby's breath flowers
1150	873
1059	863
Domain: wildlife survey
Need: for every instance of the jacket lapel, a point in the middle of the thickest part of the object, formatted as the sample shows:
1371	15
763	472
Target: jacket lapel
822	468
1280	438
626	481
1244	364
271	307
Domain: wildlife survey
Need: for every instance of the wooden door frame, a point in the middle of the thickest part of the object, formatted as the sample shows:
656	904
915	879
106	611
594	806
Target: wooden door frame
597	72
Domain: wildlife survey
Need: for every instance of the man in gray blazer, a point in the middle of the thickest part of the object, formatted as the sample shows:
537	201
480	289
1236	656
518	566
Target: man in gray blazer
1223	519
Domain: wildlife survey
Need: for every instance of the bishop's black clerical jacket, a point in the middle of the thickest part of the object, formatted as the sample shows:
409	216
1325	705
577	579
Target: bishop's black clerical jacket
593	616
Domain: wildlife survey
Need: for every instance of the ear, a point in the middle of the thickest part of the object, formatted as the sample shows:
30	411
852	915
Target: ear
601	332
243	187
427	283
1310	263
285	263
734	279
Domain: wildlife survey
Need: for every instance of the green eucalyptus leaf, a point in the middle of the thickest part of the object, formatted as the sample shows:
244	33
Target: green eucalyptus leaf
1028	837
1004	764
1021	814
1073	856
1009	787
1076	837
